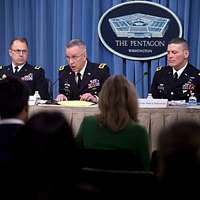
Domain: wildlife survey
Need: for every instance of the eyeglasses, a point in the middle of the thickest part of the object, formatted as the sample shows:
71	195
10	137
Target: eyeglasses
75	58
19	51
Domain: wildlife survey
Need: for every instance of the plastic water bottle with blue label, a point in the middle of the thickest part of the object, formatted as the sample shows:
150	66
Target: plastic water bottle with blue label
192	100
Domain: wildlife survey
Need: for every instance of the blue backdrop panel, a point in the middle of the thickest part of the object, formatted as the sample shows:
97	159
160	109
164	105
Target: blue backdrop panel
50	24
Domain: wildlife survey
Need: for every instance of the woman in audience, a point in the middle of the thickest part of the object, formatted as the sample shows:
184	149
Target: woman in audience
179	158
47	156
116	127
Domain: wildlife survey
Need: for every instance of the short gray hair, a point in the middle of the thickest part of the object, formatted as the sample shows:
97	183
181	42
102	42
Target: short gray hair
75	42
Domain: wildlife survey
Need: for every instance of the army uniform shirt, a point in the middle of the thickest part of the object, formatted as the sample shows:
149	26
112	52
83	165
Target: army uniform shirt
92	80
165	86
32	76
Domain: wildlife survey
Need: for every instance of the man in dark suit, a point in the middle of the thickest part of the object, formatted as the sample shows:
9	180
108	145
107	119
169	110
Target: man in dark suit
33	76
179	79
80	79
13	114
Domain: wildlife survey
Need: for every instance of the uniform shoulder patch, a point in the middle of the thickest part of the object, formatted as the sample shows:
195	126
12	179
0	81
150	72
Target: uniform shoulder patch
37	67
158	68
102	65
62	67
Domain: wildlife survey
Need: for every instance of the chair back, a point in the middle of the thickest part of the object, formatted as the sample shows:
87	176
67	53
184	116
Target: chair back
119	182
110	159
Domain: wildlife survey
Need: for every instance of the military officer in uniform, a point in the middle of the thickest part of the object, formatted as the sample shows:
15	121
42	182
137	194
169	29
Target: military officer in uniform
33	76
80	79
179	79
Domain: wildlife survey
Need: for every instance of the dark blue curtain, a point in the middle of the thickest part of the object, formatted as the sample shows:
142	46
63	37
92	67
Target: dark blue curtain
50	24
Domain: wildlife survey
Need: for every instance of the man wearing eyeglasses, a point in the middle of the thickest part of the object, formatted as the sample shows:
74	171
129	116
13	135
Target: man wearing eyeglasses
80	79
33	76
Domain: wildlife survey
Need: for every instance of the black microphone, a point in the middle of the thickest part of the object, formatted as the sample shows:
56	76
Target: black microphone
141	78
59	77
53	101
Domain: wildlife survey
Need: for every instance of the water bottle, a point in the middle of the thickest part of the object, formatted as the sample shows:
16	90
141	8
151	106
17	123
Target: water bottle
149	96
192	99
37	97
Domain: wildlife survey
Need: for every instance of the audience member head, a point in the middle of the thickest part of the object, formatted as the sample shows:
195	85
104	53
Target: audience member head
14	99
76	54
47	153
117	103
179	153
18	50
177	53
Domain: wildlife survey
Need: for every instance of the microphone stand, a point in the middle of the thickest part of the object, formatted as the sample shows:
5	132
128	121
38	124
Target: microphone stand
53	101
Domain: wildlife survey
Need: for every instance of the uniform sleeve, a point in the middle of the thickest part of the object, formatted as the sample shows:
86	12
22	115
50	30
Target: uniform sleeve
41	83
106	73
61	85
2	75
154	86
61	73
197	89
103	73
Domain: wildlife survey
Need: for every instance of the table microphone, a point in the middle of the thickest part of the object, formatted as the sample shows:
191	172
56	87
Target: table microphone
54	83
53	101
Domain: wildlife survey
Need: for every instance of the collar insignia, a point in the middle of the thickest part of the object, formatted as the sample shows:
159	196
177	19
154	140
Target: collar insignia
61	68
37	67
102	65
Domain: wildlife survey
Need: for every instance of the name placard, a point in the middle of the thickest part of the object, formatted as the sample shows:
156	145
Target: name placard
153	103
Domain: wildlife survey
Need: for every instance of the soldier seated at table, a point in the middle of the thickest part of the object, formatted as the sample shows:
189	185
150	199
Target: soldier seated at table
80	79
179	79
32	76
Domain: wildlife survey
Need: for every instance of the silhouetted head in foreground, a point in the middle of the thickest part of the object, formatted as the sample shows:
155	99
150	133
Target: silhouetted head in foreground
47	149
179	155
